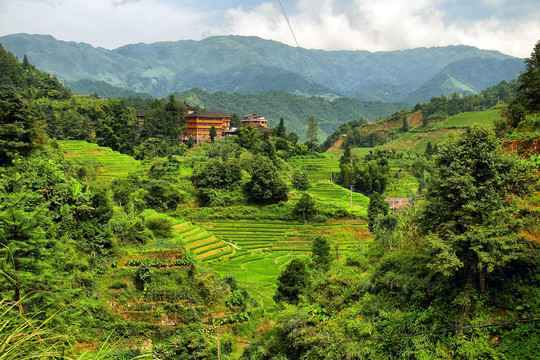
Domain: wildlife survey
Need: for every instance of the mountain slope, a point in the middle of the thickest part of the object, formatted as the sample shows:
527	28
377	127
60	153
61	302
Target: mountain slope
469	75
251	65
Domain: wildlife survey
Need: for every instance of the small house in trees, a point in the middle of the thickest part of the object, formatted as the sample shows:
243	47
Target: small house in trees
254	120
199	123
397	203
262	130
140	117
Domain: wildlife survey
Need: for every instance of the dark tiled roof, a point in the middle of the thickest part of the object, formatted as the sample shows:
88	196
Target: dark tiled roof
250	116
207	114
142	113
263	129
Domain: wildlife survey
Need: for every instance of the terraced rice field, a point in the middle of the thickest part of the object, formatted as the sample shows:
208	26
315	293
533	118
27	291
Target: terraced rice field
415	141
202	243
319	168
280	237
332	194
263	249
111	164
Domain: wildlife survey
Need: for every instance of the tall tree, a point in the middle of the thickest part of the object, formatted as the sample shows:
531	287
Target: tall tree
300	180
19	133
292	282
312	132
280	129
377	207
471	215
213	133
305	206
527	99
346	157
405	124
236	122
320	253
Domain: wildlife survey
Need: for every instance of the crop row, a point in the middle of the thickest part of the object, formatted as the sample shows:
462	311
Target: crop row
182	261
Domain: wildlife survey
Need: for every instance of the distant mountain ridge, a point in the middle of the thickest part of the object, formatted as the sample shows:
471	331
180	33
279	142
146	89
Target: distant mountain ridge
252	65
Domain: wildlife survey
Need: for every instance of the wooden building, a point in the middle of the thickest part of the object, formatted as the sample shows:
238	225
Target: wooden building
200	122
140	115
397	203
254	120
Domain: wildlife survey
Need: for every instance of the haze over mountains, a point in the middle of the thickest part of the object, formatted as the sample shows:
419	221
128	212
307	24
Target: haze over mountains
250	65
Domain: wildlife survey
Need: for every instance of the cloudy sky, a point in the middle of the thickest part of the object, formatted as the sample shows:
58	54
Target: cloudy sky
510	26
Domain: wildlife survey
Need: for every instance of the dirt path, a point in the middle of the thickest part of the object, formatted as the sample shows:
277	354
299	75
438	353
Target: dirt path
337	145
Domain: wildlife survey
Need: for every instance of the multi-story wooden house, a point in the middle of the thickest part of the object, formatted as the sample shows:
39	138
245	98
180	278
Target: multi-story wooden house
254	120
200	122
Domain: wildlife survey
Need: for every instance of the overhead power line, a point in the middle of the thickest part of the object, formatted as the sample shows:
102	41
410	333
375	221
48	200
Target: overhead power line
299	48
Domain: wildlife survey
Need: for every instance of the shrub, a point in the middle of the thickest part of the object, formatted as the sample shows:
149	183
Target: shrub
160	226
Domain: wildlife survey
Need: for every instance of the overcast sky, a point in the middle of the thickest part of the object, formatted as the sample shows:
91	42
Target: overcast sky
510	26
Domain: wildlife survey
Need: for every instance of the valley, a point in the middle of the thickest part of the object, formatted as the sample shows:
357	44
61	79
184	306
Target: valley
126	236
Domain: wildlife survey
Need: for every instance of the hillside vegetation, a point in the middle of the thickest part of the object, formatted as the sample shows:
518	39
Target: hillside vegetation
119	242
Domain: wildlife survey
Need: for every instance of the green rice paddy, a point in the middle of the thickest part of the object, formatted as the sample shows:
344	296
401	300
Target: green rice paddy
110	164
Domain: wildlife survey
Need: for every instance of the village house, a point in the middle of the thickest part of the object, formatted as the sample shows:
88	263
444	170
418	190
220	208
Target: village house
140	115
200	122
397	203
254	120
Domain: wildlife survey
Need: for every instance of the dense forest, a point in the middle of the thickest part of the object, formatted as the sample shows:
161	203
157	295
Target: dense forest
151	262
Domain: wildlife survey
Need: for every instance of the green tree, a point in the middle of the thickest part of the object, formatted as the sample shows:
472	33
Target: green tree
165	121
293	137
377	207
19	133
266	186
292	282
213	133
300	180
425	120
25	64
280	130
320	253
405	125
346	157
23	241
312	132
117	127
429	150
190	142
527	99
469	217
236	122
305	206
246	136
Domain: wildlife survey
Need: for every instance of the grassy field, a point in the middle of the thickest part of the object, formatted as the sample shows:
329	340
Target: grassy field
332	194
110	164
464	120
415	140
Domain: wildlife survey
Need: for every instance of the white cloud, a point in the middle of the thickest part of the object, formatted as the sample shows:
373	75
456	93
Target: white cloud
380	25
373	25
103	22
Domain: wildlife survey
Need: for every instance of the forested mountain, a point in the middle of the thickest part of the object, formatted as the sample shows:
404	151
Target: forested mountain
104	89
253	65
